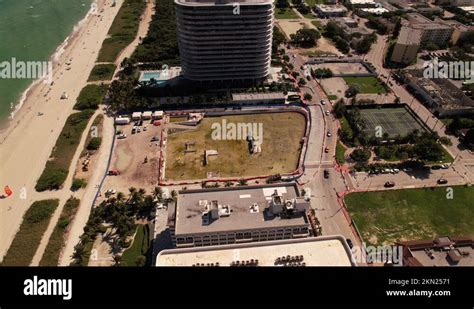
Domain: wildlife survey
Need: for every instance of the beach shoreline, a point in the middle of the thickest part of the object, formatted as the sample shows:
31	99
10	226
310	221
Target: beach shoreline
27	141
20	108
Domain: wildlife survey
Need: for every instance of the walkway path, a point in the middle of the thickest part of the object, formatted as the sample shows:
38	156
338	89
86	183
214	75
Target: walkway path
63	195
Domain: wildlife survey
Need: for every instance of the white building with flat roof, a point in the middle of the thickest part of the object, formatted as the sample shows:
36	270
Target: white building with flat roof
313	251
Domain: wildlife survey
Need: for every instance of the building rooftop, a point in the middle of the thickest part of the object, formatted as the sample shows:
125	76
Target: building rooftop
375	10
221	2
258	96
313	251
421	22
331	8
232	209
442	251
409	36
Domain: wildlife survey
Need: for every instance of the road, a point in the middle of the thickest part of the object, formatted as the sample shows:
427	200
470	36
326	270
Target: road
325	193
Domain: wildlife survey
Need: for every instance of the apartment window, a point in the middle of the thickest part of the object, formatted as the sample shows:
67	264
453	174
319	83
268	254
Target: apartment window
239	236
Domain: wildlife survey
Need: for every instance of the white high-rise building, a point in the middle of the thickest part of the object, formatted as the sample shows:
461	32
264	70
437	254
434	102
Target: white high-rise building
225	39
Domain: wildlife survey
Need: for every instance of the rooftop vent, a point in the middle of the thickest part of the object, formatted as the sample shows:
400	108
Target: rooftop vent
254	208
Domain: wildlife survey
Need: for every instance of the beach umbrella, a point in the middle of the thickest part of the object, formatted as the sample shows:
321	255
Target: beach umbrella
8	191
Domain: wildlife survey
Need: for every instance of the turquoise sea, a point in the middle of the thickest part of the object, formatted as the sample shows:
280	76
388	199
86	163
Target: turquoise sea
31	30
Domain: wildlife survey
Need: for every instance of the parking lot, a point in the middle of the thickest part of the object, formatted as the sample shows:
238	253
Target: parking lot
363	181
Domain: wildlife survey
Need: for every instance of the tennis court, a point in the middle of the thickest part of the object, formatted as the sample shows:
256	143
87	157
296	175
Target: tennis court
394	121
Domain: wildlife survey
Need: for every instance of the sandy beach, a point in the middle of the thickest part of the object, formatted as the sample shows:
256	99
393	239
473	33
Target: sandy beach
27	143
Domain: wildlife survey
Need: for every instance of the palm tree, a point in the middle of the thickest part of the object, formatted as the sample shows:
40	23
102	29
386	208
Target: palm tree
157	194
174	194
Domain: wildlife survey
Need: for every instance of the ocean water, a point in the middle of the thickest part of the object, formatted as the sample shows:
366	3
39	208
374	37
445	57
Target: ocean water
32	30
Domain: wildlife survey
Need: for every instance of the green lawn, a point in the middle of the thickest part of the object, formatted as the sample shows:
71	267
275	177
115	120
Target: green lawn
286	13
340	151
317	24
416	214
312	3
140	246
57	168
123	30
91	96
102	72
28	238
368	84
57	241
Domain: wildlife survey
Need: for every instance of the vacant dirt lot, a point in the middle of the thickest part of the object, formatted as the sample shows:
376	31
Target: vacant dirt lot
334	86
282	134
129	156
342	68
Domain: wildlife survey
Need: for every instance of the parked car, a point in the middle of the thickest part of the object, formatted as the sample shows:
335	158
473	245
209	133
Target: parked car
155	139
407	169
326	174
326	150
436	167
389	184
322	102
444	166
442	181
114	173
327	113
122	136
329	134
134	130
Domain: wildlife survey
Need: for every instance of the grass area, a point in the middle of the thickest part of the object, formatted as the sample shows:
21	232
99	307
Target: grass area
309	16
102	72
316	53
28	238
340	151
123	30
447	158
389	216
282	133
447	121
317	24
91	96
57	240
96	132
285	13
332	97
178	119
137	253
368	84
345	124
57	167
312	3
